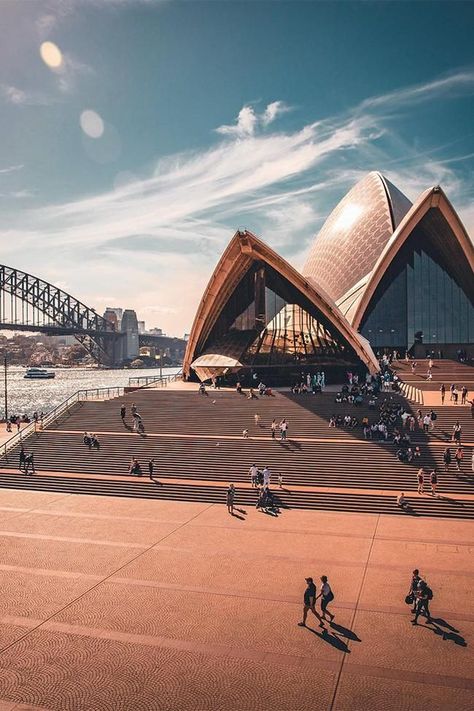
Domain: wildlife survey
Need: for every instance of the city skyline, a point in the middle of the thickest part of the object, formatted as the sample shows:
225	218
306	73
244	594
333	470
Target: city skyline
128	165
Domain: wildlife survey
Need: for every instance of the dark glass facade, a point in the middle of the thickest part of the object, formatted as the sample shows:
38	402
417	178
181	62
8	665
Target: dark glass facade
268	322
420	300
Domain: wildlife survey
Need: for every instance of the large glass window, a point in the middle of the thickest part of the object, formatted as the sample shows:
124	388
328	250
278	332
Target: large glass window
419	300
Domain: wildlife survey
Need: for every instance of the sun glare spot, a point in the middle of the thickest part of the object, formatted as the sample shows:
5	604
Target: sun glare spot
348	216
92	124
51	55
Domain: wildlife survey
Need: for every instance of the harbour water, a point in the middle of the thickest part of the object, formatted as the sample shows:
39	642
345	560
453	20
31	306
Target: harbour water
25	396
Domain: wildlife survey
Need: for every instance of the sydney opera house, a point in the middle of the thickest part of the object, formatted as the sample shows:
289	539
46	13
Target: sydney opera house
382	274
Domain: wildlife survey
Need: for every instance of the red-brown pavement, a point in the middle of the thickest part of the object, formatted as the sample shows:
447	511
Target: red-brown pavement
137	604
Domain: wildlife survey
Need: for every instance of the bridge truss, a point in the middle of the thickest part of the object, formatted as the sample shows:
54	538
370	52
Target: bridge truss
28	303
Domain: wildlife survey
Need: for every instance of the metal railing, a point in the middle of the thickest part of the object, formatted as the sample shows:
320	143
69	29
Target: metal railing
144	381
79	396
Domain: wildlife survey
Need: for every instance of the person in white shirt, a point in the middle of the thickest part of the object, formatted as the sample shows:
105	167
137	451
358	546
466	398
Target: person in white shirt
266	476
253	472
326	595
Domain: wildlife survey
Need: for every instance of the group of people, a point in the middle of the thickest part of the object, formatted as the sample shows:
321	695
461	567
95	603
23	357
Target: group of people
310	383
16	421
454	395
91	441
138	425
281	427
419	597
27	462
310	597
135	468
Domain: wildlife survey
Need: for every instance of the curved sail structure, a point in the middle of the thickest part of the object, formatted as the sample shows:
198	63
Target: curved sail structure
259	312
421	289
354	235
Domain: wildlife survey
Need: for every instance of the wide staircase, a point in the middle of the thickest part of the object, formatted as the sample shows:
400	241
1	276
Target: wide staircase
198	448
443	372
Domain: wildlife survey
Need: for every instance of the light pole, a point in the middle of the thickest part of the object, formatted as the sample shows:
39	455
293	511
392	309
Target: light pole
161	364
6	387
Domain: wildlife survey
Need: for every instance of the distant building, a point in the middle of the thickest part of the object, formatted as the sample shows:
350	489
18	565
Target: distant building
129	326
114	315
141	327
156	332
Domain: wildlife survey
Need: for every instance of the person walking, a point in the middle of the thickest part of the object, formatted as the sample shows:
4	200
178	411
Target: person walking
433	482
327	596
123	412
415	581
420	477
273	426
30	462
256	417
151	468
442	391
133	410
433	418
309	601
459	456
424	595
447	459
266	477
426	423
283	429
457	432
230	499
253	472
280	481
463	395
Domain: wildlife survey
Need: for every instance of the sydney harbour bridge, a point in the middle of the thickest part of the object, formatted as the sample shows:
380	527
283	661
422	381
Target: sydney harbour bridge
28	303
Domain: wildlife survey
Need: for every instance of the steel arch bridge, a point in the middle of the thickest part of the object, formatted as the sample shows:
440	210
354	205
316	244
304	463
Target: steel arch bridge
28	303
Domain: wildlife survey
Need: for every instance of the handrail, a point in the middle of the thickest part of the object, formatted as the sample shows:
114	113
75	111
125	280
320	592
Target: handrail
143	381
78	396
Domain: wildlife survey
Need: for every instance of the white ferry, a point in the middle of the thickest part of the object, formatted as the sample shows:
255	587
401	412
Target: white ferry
39	374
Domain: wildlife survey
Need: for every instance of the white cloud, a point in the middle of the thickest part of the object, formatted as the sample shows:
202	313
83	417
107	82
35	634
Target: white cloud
11	169
456	83
248	120
159	236
273	110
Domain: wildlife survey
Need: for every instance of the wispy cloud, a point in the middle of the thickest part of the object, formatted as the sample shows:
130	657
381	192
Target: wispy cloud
21	97
454	84
177	219
11	169
248	120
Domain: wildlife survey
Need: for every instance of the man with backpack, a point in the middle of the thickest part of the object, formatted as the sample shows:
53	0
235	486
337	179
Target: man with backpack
424	595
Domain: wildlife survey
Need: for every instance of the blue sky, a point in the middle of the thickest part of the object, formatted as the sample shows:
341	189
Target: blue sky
213	116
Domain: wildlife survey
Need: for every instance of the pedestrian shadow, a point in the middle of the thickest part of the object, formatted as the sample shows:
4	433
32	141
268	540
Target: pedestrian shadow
410	511
449	500
236	515
331	639
345	632
158	483
451	636
127	427
442	623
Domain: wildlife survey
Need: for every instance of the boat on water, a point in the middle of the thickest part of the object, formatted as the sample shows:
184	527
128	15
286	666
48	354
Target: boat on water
39	374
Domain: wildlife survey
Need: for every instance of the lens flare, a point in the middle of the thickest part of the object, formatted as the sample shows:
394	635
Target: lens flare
92	124
51	55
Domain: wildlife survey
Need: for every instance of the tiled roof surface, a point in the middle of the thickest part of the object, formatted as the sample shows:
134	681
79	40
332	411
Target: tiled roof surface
354	235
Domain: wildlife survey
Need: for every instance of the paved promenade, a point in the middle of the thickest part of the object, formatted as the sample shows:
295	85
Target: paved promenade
132	604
